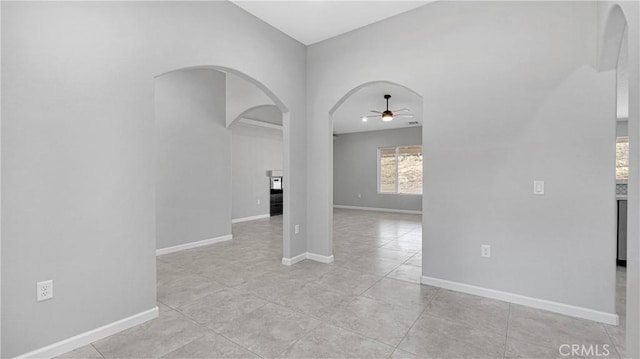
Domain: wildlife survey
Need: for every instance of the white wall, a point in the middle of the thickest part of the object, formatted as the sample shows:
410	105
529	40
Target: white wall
78	148
255	151
193	158
513	86
608	20
241	96
355	169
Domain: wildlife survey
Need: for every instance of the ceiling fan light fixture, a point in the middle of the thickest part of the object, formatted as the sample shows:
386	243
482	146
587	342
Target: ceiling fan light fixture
364	119
387	116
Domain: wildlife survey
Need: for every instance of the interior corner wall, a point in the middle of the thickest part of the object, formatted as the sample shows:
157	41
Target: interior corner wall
193	158
254	151
510	95
78	148
355	169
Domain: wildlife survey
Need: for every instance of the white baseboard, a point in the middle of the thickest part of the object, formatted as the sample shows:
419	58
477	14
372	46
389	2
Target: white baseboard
377	209
320	258
556	307
294	260
201	243
252	218
307	255
91	336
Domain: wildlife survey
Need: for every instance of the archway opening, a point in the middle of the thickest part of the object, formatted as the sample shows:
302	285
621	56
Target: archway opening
376	181
201	209
614	55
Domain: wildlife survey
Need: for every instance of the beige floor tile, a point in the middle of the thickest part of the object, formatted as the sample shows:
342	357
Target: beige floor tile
470	310
153	339
401	293
347	281
401	354
269	330
222	307
85	352
211	346
551	330
381	321
407	273
328	342
433	337
316	301
186	289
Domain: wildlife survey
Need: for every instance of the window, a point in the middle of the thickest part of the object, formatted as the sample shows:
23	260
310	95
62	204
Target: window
400	170
622	158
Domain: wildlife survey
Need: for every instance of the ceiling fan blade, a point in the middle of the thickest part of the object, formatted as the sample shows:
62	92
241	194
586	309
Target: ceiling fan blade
372	117
374	111
405	115
401	110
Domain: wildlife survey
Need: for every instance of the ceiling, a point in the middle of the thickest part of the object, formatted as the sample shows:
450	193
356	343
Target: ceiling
348	117
311	21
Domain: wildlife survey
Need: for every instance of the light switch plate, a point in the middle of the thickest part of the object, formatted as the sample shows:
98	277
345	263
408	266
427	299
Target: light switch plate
538	187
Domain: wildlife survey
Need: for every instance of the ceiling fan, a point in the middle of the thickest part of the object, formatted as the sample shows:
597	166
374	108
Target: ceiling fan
388	115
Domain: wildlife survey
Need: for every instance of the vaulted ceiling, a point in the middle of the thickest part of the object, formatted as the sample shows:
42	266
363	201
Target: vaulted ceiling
313	21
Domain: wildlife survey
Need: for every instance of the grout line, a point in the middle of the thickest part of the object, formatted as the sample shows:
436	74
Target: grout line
94	347
209	329
506	336
611	340
415	321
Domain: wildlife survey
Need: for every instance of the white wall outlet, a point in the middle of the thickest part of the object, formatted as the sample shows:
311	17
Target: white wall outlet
538	187
296	228
359	195
258	201
485	251
44	290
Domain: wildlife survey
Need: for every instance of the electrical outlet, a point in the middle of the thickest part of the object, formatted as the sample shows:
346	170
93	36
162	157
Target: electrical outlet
296	228
485	251
359	195
44	290
258	201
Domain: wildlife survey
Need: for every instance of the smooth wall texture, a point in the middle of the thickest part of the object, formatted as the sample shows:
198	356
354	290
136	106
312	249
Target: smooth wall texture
511	95
355	169
631	13
255	151
78	148
622	128
193	163
241	96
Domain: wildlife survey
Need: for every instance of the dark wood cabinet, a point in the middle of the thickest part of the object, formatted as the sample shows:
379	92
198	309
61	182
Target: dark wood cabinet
622	233
276	206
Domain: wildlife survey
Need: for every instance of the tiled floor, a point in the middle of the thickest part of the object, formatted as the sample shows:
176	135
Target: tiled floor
236	300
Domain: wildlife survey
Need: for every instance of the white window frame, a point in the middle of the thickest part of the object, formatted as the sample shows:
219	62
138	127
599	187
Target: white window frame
396	180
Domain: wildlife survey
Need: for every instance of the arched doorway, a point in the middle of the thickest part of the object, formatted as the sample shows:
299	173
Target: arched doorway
376	180
613	54
261	96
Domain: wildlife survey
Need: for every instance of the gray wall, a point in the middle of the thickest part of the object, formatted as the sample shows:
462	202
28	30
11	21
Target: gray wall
255	150
193	163
622	128
78	148
355	166
547	114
